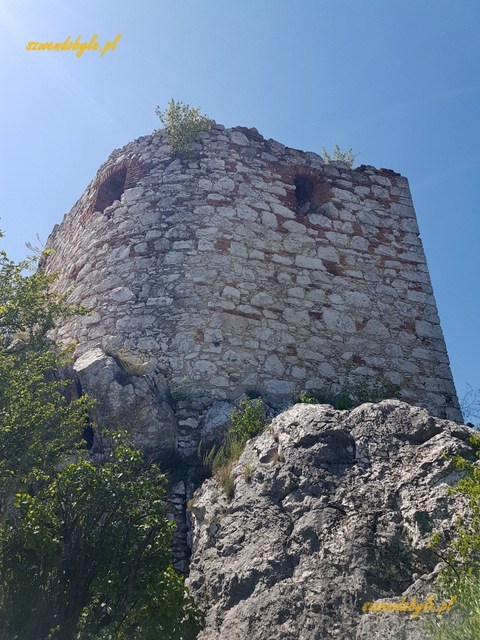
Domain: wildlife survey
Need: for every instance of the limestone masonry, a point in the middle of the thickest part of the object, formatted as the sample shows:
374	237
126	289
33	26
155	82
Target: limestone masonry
255	268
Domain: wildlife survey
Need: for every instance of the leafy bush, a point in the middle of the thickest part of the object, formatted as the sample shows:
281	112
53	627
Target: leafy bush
37	425
96	544
182	124
247	421
340	156
464	621
312	397
92	536
461	553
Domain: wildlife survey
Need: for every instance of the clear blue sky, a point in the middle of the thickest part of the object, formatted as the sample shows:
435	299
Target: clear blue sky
397	80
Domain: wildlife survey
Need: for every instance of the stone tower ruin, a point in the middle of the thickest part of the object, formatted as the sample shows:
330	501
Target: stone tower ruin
252	268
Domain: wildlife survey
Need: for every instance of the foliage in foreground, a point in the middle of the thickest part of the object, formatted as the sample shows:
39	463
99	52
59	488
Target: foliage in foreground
247	420
464	621
84	544
37	426
338	155
95	544
182	124
462	555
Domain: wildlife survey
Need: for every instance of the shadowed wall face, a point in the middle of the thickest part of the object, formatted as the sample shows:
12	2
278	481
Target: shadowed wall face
255	268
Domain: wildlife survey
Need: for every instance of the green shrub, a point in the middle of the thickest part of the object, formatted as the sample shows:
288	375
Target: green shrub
464	624
311	397
92	535
182	124
461	553
247	421
340	156
108	522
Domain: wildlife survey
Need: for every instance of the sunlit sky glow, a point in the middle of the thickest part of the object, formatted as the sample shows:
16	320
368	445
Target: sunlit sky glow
397	81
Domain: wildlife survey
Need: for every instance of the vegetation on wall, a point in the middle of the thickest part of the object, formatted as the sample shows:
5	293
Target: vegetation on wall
90	532
337	155
182	124
351	395
130	364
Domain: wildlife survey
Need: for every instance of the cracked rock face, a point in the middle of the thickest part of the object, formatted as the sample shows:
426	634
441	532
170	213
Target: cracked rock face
137	403
331	509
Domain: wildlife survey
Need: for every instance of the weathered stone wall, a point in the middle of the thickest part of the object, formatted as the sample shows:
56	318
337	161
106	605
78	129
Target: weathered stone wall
253	268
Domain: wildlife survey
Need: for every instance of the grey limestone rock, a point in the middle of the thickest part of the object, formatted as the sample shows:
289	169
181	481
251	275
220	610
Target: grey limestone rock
216	421
137	402
332	509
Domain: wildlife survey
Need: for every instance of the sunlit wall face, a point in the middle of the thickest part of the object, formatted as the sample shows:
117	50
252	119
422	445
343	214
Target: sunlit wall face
397	82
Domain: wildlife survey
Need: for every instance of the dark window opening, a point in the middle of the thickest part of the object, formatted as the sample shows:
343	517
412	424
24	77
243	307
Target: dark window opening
111	189
312	192
110	186
304	188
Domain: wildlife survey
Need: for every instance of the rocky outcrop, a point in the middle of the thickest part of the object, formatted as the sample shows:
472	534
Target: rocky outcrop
129	395
331	509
